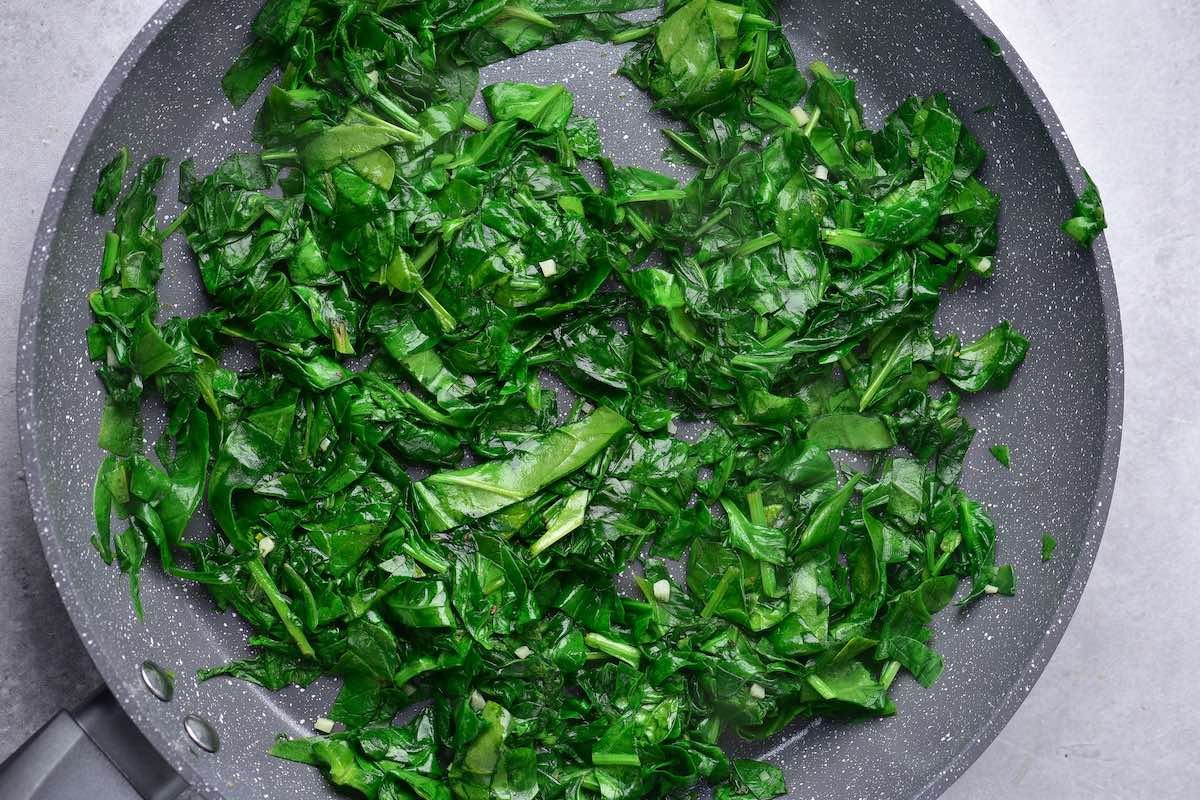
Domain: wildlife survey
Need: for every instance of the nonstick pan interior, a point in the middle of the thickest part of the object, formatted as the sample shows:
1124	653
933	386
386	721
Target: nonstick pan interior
1060	417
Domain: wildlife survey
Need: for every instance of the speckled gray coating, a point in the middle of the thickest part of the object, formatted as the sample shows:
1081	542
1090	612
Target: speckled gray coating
1061	416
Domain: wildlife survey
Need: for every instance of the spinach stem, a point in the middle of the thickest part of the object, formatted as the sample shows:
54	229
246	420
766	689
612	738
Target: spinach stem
112	248
633	34
889	674
756	244
756	22
173	225
258	571
713	221
616	760
393	110
686	146
444	317
427	252
754	501
821	687
379	122
619	650
812	122
718	594
279	156
426	559
777	112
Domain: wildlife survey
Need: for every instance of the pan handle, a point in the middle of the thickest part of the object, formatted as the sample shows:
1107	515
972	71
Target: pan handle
93	752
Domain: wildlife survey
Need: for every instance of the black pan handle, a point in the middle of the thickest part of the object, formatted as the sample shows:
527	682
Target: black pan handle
91	753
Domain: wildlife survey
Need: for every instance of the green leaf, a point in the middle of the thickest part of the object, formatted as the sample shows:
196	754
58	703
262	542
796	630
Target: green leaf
247	73
447	499
269	669
1088	221
826	519
546	108
1049	543
759	779
566	517
108	186
988	363
279	20
1000	453
850	431
758	541
343	143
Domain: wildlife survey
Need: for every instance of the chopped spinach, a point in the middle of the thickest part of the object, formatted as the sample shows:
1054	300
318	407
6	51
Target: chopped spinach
1049	544
108	186
1001	454
1088	220
405	500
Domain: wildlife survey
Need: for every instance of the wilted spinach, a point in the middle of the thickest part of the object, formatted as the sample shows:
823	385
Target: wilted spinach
401	501
1049	545
1088	221
1000	453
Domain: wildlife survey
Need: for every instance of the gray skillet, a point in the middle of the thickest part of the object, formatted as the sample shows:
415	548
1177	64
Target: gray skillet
1061	417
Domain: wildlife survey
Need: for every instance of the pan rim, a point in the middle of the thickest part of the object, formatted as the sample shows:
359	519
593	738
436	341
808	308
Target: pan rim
1101	498
164	741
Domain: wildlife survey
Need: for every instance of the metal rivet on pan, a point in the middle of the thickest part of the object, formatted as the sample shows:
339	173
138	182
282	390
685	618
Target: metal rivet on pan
202	733
160	682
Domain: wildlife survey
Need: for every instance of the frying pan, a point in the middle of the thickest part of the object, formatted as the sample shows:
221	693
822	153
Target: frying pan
1061	416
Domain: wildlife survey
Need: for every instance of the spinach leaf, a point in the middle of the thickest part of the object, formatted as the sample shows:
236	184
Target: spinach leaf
850	431
988	363
759	541
108	187
1049	543
1088	221
447	499
1000	453
546	108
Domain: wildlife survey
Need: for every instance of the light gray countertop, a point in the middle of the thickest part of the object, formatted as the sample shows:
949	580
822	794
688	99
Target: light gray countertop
1112	716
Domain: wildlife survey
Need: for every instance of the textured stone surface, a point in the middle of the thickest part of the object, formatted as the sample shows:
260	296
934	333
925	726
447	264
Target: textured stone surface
1104	718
